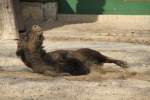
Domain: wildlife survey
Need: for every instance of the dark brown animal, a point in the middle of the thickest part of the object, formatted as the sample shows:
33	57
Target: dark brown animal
73	62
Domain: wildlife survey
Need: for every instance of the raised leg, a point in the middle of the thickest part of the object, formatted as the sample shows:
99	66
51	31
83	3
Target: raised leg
120	63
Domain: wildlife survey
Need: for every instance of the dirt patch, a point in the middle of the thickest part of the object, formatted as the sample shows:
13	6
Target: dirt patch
105	82
96	32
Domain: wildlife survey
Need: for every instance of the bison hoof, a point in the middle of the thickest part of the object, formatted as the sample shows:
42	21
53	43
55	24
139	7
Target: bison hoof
122	64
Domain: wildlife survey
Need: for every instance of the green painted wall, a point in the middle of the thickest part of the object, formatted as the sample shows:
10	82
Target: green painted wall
132	7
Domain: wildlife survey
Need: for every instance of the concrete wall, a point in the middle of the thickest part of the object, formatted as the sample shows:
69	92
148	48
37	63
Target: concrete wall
38	13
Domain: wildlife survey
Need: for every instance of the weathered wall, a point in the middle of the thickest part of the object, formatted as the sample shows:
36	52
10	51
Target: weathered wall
16	15
38	13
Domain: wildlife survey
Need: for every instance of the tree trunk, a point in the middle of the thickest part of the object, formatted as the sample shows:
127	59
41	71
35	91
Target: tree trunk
8	27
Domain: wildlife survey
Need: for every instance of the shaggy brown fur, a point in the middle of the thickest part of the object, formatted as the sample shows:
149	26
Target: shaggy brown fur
73	62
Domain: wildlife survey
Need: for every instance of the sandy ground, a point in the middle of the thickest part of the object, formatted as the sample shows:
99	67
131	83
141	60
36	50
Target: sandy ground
107	82
98	31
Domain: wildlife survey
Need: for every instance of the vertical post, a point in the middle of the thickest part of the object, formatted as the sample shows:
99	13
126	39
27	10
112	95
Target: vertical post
8	24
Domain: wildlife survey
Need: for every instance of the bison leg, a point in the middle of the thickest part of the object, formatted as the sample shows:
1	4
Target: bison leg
120	63
51	73
95	57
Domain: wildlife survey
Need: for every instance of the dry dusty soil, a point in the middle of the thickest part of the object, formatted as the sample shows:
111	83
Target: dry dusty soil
107	82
